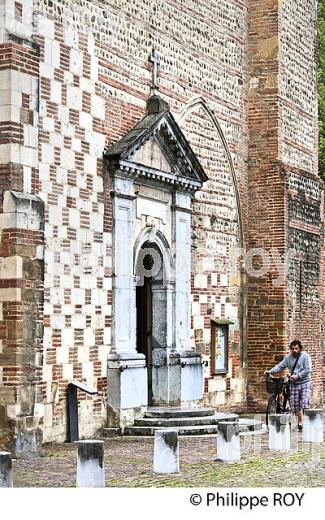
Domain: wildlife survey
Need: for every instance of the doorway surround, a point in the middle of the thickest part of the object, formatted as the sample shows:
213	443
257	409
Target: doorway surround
153	174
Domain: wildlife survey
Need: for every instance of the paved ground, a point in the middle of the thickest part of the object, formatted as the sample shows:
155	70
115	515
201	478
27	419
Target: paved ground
128	463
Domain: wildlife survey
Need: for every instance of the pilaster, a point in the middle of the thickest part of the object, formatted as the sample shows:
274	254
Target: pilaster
127	371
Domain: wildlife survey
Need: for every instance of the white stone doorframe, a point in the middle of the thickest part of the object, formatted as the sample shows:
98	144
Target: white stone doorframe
177	373
152	242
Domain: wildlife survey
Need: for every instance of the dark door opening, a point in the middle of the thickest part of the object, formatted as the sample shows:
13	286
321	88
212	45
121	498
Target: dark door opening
144	327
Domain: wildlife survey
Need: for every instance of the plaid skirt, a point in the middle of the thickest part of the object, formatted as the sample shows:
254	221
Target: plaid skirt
300	396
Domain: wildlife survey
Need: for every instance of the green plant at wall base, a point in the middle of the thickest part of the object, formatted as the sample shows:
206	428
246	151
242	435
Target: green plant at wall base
321	85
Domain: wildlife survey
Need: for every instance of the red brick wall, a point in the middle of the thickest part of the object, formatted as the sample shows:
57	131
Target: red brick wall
279	204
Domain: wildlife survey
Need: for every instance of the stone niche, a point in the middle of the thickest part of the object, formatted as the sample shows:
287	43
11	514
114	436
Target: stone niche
153	175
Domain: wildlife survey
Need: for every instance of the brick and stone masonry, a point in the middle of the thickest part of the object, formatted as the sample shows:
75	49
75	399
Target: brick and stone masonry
285	194
240	78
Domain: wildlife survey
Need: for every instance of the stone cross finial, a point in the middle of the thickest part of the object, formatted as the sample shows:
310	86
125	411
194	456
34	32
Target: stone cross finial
154	59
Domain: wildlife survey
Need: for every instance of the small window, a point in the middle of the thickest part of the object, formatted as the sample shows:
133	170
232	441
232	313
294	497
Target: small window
219	346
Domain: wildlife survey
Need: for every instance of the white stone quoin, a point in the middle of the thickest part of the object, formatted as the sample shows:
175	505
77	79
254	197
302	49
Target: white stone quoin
279	432
166	452
313	430
6	479
228	442
90	464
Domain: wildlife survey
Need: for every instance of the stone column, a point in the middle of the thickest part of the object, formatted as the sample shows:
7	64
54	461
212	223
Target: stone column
228	442
166	451
279	432
161	341
313	430
90	464
127	372
6	479
191	370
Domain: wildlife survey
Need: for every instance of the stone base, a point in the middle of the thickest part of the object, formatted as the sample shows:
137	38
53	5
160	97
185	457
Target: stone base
176	383
127	395
26	444
191	377
188	421
179	382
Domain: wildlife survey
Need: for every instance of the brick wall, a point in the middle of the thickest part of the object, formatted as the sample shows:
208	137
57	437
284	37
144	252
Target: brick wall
93	89
83	83
216	276
286	208
21	236
299	132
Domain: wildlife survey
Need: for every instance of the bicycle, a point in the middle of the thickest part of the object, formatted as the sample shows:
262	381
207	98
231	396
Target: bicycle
278	387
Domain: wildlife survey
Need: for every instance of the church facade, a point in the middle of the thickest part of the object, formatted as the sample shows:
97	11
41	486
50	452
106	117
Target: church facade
161	214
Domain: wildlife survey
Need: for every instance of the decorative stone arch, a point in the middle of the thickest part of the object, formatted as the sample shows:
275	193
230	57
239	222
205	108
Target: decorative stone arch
154	236
154	289
199	102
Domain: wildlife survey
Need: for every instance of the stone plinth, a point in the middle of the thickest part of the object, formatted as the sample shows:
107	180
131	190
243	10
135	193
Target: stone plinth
166	451
313	430
127	387
90	464
228	441
6	479
279	432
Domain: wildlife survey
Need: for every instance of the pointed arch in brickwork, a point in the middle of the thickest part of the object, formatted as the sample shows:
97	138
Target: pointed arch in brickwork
200	103
218	280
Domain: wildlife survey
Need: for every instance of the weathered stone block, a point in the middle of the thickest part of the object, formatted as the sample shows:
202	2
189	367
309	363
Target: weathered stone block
166	451
90	464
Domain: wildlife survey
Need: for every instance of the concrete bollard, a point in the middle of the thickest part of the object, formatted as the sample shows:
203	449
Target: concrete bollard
228	441
166	451
6	480
279	432
313	429
90	464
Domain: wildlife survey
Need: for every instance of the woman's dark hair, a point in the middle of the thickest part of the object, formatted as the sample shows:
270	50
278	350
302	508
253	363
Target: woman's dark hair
296	342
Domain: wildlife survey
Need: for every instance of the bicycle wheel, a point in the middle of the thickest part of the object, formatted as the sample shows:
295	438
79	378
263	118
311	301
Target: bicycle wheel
272	407
282	402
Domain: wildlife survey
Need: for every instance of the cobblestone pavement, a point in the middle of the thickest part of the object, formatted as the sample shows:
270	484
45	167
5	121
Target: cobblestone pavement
128	463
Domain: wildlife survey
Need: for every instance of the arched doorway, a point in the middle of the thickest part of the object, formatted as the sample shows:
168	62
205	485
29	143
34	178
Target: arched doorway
151	313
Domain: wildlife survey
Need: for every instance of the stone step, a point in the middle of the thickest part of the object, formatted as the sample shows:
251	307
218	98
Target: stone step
174	412
245	426
183	430
185	421
112	432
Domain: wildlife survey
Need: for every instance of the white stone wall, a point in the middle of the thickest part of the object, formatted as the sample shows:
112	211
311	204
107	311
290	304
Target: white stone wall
77	307
94	81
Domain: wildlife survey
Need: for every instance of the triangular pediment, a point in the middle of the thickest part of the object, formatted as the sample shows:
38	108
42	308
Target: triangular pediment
156	143
150	154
